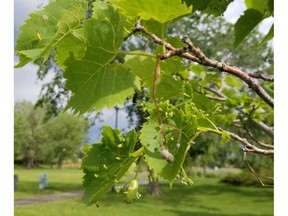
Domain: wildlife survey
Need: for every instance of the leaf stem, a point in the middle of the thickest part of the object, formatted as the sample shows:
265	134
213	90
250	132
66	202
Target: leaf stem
205	129
136	53
137	153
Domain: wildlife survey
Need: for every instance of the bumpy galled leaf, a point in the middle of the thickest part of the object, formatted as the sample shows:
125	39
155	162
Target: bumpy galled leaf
161	10
45	29
93	80
178	129
106	162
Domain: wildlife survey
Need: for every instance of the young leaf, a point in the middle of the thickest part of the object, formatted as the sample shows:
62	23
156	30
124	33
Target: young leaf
161	10
245	24
106	162
45	29
225	137
178	129
132	192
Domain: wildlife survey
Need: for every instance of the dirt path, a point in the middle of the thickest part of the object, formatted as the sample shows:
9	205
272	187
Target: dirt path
48	198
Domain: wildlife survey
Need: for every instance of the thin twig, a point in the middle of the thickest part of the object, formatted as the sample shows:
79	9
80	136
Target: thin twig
248	147
221	96
259	75
253	171
256	140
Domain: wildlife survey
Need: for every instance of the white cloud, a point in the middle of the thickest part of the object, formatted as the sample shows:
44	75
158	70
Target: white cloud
26	86
235	10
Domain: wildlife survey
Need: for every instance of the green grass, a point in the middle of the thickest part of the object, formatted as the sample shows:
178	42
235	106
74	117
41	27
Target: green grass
67	179
206	197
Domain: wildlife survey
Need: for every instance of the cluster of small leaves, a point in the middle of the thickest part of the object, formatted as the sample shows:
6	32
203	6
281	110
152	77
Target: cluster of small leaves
174	135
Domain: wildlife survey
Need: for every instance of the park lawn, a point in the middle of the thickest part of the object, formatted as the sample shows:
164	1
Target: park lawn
206	197
64	180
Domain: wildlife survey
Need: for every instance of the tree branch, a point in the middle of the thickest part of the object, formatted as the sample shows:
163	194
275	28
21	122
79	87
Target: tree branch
259	75
248	147
250	81
256	140
203	60
264	127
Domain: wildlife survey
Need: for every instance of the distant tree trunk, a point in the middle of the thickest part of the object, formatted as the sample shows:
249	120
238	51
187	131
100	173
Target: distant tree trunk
60	163
30	163
204	170
153	188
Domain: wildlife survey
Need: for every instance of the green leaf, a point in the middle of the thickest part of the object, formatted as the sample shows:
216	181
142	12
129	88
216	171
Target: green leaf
69	44
260	5
94	82
162	10
106	162
269	36
234	81
179	128
95	86
217	7
213	7
245	24
198	5
159	29
167	86
225	137
45	29
132	192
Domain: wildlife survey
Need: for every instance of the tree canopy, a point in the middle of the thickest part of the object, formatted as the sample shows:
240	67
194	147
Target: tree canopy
50	141
189	91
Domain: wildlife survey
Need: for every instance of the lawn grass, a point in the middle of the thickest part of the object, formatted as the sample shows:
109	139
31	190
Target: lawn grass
66	179
206	197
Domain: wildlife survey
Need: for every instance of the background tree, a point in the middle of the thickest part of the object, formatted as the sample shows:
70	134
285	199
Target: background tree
28	122
64	136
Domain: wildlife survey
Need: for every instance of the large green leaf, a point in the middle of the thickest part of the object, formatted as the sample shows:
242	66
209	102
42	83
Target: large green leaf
167	86
161	10
260	5
257	10
106	162
179	128
245	24
93	81
213	7
45	29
